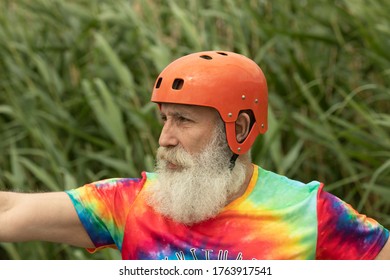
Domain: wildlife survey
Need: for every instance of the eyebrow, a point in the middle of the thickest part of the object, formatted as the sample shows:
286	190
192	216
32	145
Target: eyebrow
175	114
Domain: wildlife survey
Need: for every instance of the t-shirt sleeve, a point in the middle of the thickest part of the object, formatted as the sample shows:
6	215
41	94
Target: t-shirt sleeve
343	233
103	207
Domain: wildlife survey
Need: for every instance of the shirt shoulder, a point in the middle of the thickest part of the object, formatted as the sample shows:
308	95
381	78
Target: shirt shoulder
344	233
103	206
280	191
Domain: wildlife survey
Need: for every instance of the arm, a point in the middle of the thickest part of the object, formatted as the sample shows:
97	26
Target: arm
41	216
385	252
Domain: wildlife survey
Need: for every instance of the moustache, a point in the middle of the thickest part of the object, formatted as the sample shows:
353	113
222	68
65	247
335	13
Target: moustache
176	156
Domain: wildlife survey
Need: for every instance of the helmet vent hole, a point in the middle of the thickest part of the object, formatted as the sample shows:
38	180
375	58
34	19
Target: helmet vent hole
222	53
158	84
177	83
206	57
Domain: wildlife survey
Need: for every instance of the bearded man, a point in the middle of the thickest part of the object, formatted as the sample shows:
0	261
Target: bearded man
206	199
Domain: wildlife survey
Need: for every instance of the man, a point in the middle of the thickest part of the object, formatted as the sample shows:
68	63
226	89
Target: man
206	200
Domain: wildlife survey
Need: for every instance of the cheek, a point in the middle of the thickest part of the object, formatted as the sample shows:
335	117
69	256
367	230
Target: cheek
196	142
192	145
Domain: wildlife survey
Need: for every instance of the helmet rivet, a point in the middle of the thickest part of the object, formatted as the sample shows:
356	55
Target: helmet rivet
230	115
243	97
256	100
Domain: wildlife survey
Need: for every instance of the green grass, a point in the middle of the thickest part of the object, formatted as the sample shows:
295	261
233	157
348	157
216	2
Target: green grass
76	78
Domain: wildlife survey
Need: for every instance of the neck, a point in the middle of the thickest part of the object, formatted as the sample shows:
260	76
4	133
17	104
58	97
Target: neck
244	186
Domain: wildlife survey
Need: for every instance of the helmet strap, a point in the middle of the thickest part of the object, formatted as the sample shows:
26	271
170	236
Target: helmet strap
232	161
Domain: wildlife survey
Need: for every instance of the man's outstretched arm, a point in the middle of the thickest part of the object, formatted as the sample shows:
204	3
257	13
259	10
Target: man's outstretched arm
41	216
385	252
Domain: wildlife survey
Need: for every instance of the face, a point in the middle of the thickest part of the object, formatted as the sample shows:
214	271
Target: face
187	126
194	180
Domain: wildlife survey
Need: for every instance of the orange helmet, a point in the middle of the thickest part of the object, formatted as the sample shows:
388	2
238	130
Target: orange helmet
226	81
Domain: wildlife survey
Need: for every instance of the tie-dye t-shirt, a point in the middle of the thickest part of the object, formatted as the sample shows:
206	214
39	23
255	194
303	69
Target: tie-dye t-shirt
276	218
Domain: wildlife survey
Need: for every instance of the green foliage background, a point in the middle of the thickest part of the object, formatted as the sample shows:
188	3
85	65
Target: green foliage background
76	78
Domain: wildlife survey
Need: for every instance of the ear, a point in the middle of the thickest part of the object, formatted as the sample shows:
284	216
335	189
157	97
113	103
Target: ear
242	127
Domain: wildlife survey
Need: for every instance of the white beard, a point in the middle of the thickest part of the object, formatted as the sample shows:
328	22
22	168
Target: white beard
201	187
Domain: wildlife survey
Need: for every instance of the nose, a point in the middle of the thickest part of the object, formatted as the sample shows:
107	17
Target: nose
168	136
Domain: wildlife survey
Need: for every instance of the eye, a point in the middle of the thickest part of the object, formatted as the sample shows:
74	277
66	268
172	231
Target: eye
183	119
163	118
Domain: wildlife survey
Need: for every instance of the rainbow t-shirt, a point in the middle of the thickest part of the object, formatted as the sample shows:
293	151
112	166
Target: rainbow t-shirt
276	218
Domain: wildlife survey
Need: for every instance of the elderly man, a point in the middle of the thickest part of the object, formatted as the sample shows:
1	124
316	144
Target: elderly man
206	199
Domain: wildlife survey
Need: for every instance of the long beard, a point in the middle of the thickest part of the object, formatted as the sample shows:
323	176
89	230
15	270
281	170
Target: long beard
202	185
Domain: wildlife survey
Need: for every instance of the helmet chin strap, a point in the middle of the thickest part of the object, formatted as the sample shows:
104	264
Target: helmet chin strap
232	161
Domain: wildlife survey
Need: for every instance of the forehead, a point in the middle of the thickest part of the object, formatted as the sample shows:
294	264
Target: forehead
195	111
